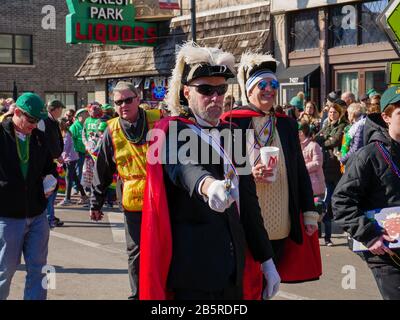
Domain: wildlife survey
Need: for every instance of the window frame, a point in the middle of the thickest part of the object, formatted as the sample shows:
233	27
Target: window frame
13	49
64	93
361	70
359	13
291	38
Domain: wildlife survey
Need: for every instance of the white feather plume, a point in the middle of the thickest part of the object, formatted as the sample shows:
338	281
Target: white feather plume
248	61
190	53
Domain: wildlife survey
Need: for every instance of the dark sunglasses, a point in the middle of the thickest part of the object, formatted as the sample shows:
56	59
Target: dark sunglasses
30	119
209	90
263	84
127	101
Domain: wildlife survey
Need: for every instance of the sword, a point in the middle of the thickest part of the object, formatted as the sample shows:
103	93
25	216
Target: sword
228	181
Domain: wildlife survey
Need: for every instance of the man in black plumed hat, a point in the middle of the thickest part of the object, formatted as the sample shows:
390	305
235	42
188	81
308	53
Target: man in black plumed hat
202	254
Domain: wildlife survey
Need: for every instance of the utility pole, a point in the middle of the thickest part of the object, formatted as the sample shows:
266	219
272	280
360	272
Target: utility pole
193	12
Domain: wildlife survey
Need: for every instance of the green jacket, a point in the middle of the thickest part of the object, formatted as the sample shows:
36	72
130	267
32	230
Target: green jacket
76	132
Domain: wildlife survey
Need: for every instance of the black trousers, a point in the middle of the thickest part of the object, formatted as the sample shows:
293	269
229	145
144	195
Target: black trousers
231	292
133	222
387	278
277	247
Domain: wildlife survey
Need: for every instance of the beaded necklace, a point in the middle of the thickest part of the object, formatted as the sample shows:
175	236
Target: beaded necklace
388	158
140	137
26	159
266	135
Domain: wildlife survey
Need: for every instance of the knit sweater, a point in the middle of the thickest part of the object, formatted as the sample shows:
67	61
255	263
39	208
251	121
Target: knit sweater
273	197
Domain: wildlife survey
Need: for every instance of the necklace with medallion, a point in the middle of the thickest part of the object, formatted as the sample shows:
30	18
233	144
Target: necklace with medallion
24	159
265	136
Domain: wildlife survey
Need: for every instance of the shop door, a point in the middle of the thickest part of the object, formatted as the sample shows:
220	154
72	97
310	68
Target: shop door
288	91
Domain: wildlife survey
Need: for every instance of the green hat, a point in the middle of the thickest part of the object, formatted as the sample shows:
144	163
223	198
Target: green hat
390	96
102	126
56	104
33	105
107	106
297	103
372	92
80	111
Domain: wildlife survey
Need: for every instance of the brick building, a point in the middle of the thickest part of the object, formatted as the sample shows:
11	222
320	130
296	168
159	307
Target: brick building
37	59
232	25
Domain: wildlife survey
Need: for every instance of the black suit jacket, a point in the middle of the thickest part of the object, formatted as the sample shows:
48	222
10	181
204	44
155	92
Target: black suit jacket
54	137
209	247
300	188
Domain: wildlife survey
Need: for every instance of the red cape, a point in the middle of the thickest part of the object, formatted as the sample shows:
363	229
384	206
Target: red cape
156	238
299	262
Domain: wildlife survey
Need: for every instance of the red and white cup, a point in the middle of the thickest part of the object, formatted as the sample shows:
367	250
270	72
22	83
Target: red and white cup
270	157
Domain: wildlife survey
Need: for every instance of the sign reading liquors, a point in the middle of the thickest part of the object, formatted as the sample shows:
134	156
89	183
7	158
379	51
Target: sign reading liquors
107	22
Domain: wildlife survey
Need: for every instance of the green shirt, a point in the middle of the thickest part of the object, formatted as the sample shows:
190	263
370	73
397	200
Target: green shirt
91	125
76	133
23	154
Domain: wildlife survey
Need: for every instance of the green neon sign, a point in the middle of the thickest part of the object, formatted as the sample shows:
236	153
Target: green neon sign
395	73
107	22
394	21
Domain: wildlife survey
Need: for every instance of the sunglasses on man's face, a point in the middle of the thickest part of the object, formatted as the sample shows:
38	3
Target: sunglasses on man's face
128	100
209	90
263	84
30	119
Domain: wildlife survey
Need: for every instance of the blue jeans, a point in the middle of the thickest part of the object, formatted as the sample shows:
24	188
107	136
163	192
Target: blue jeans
79	168
50	206
30	237
327	219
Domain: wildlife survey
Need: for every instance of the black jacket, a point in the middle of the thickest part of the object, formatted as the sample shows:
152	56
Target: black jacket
329	138
54	137
368	183
209	247
22	198
301	197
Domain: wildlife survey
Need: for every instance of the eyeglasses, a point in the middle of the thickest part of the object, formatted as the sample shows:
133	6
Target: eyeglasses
209	90
274	84
30	119
128	100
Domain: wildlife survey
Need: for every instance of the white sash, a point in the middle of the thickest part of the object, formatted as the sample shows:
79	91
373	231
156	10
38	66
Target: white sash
229	169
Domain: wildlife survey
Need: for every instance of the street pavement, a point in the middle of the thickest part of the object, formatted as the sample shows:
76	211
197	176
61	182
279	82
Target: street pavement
90	262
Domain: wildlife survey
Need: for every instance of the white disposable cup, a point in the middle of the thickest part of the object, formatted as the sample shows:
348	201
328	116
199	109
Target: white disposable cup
270	157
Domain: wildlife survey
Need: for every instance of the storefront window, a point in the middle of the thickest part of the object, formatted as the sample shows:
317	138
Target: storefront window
375	80
348	81
343	26
67	98
370	31
354	24
289	91
304	30
91	97
153	89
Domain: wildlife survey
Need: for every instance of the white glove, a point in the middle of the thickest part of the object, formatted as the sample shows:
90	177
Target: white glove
273	279
217	197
